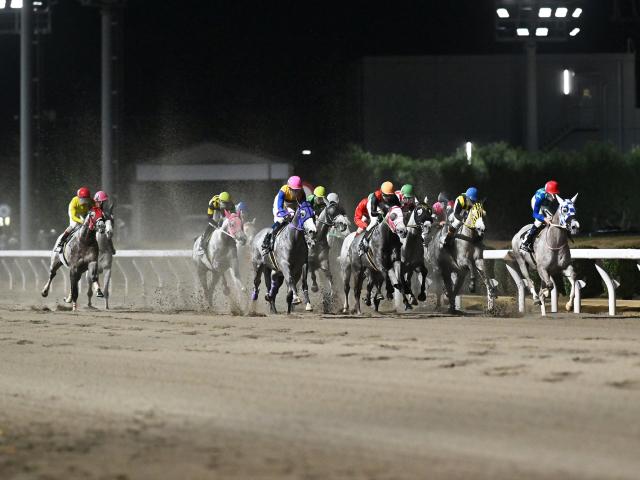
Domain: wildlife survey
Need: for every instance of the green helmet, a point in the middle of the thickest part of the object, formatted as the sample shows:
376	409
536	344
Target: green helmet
407	190
225	197
319	191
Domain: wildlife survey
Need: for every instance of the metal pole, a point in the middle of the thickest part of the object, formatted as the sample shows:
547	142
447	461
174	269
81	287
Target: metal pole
107	105
531	141
26	122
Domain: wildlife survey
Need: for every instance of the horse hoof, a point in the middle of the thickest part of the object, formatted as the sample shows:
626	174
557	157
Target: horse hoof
314	288
422	297
414	301
296	301
308	308
74	307
367	302
67	300
44	293
99	294
407	306
569	306
380	297
267	298
537	301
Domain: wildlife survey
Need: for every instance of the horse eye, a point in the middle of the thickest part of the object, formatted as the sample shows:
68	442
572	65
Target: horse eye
303	213
392	216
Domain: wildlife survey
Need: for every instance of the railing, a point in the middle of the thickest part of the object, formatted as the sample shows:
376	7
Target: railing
176	270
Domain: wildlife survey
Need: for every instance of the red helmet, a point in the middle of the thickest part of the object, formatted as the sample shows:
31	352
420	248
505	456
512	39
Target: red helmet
84	192
551	187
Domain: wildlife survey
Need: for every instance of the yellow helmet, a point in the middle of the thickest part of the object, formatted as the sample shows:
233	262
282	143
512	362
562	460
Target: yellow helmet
387	188
225	197
319	191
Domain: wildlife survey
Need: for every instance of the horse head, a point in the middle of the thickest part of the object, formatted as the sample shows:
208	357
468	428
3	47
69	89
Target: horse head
304	220
234	226
475	219
567	214
336	217
395	221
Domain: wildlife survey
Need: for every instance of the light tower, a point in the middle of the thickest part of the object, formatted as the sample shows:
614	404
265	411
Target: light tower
530	22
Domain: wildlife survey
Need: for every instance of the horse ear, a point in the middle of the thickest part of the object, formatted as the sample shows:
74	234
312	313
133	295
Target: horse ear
574	198
226	213
560	199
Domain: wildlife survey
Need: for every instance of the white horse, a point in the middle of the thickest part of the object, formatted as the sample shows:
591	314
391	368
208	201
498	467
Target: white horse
105	260
221	256
551	252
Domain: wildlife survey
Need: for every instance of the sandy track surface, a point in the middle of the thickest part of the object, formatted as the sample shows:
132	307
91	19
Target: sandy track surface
128	395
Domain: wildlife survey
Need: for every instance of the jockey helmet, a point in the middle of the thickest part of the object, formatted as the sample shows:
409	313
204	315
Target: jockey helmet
101	196
437	208
333	198
225	197
407	190
551	187
387	188
241	207
472	194
294	182
443	197
320	192
83	192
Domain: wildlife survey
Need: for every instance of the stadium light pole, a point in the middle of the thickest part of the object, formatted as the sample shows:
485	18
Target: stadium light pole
26	122
107	106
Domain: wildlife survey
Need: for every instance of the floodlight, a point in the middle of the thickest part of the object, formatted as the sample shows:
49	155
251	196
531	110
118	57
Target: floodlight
16	3
522	32
468	148
542	32
574	32
503	13
566	81
577	12
561	12
544	12
306	152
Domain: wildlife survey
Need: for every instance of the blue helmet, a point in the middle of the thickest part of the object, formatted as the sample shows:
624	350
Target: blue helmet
472	194
241	207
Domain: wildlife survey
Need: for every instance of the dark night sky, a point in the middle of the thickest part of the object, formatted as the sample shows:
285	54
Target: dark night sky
269	75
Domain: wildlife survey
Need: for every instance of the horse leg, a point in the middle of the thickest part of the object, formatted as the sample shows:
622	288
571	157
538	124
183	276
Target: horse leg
379	297
345	269
546	286
107	285
570	273
314	281
215	277
423	284
305	288
491	291
204	283
407	286
89	290
522	266
92	272
74	278
395	276
258	270
357	290
460	277
55	265
276	281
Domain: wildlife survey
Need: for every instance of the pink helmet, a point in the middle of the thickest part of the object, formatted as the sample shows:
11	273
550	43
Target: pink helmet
294	182
101	196
437	208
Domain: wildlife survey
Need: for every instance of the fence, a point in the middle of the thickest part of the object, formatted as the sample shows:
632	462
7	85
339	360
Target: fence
173	268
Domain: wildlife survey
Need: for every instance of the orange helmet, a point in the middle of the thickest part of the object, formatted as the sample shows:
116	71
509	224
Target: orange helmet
387	188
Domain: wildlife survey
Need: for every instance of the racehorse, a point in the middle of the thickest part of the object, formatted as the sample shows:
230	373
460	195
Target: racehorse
463	255
105	257
381	259
80	254
418	225
287	259
551	253
221	255
332	217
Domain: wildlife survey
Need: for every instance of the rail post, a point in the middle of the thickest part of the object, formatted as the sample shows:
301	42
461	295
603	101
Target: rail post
519	285
577	299
611	288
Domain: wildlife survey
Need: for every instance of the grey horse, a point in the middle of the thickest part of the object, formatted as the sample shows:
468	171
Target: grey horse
382	259
80	254
418	223
285	263
463	255
332	217
221	255
551	252
105	259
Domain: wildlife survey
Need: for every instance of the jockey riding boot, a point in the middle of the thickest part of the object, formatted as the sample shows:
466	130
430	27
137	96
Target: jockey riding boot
269	238
205	238
364	244
63	239
527	245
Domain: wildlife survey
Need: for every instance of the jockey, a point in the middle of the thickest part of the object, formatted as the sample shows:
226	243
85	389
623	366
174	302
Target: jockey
439	213
242	209
215	213
406	197
333	198
79	207
544	201
461	207
289	196
99	200
318	199
361	217
378	204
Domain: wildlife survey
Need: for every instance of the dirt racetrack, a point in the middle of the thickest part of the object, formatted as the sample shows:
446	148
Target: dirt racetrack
129	395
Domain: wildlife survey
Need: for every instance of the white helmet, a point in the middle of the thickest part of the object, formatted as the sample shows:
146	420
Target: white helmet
333	198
